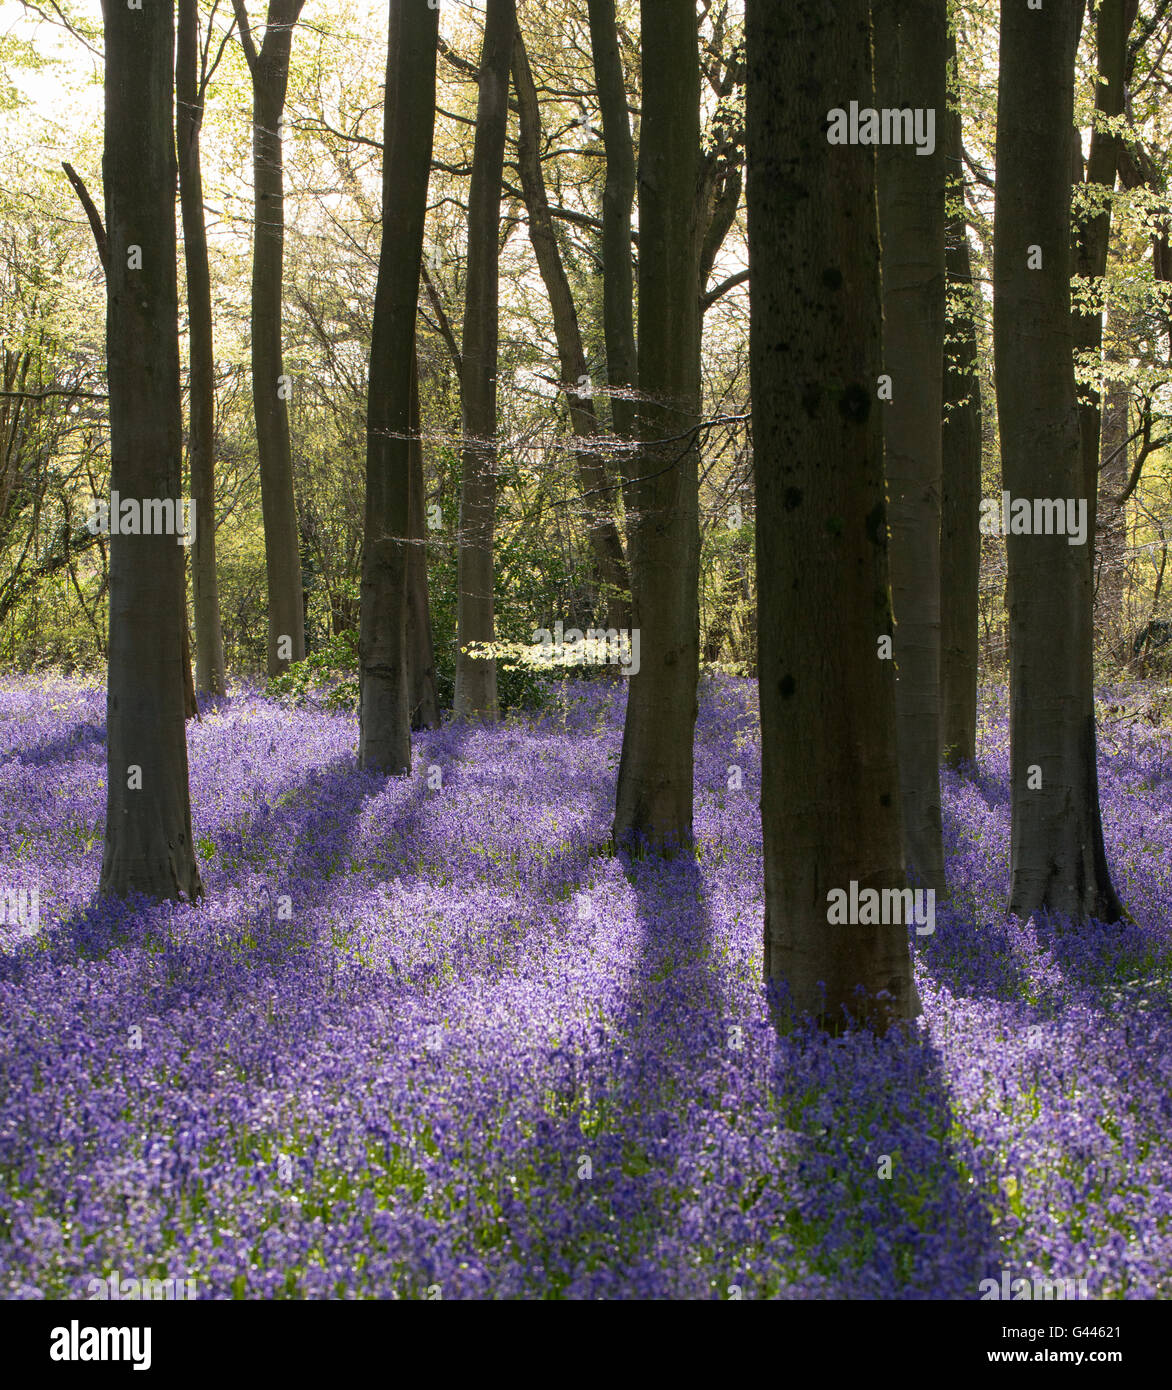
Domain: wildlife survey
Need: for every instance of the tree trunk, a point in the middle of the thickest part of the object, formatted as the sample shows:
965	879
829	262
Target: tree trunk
209	641
408	123
476	621
1111	569
911	59
605	544
618	281
148	845
1113	26
654	800
830	804
271	388
960	506
424	695
1057	858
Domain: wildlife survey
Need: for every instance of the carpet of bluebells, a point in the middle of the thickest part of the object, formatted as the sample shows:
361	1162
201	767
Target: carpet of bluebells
427	1037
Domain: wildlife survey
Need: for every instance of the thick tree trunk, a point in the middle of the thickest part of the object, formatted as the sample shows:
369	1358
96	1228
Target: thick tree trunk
618	280
148	845
960	504
605	544
911	58
271	388
654	800
424	695
830	803
476	611
1057	858
209	641
385	738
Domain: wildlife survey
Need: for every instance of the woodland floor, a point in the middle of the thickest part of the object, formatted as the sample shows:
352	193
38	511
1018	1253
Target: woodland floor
478	1052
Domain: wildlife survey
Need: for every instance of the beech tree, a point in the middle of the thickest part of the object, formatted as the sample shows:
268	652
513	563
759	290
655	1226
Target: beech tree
423	693
654	799
476	616
1113	23
960	498
830	802
618	277
911	52
148	846
605	542
392	389
193	72
1057	857
271	388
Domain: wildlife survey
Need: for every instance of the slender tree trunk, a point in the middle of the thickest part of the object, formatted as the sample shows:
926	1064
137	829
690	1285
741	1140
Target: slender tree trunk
148	845
1112	529
1057	858
618	280
1113	26
605	544
476	614
408	123
911	58
424	696
830	804
960	507
271	387
209	642
654	800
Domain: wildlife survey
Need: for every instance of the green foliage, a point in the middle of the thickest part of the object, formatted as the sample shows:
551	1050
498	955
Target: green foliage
328	678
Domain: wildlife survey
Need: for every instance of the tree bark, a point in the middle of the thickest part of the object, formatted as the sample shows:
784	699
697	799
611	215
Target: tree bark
830	804
606	545
1057	858
1111	569
190	703
960	506
654	800
618	280
476	612
911	58
424	694
408	124
209	641
271	388
1092	237
148	845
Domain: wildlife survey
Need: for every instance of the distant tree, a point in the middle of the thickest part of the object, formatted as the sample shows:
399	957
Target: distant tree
830	804
605	543
148	846
960	498
476	692
194	66
271	388
423	695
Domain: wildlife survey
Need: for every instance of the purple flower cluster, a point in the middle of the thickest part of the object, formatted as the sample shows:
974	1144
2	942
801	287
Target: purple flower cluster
426	1037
